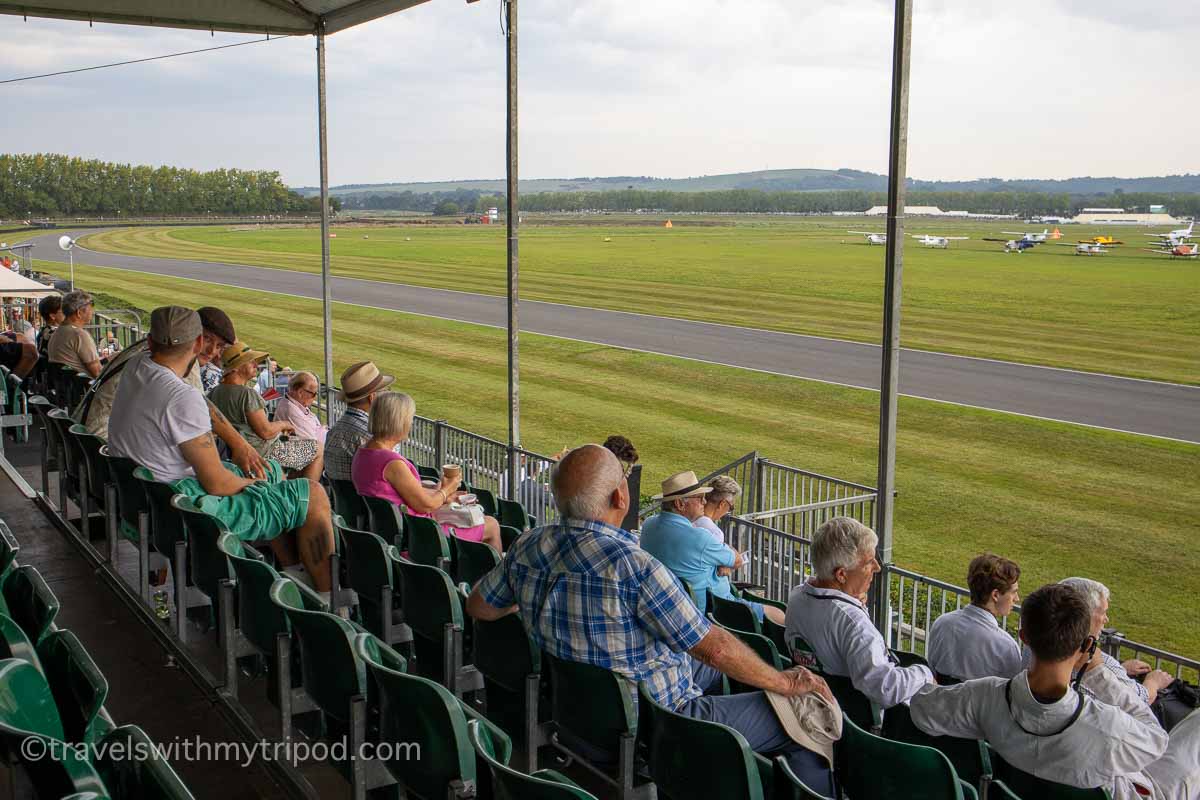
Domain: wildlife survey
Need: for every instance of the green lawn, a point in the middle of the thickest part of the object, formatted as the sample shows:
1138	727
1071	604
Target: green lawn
1061	499
1129	312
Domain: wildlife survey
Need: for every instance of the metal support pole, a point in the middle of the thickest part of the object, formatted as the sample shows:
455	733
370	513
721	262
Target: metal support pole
890	370
326	290
71	254
514	379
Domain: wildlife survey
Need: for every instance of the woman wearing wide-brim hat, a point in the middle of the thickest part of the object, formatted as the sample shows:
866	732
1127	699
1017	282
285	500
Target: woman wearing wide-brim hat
245	409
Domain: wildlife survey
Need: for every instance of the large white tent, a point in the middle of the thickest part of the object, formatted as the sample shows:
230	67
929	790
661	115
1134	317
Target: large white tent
14	285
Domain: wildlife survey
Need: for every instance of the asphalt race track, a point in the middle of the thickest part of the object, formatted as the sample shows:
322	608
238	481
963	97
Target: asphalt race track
1105	401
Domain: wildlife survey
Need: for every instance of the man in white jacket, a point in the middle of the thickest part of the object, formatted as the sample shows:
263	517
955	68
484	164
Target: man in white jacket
1100	736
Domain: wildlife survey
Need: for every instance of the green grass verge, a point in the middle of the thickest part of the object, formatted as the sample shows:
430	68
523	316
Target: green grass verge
1060	499
1130	312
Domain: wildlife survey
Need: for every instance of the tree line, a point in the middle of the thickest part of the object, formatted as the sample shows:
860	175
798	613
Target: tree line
1024	204
51	185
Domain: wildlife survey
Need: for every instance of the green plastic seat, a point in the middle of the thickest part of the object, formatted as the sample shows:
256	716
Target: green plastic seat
332	674
18	401
486	500
41	406
787	786
149	778
132	508
733	614
206	563
764	648
168	537
511	665
78	686
26	702
778	635
429	473
349	504
969	756
1030	787
30	602
260	627
512	513
472	560
753	597
509	536
94	465
370	575
386	521
433	610
417	712
14	643
427	544
855	705
72	456
594	719
508	784
871	766
690	757
9	548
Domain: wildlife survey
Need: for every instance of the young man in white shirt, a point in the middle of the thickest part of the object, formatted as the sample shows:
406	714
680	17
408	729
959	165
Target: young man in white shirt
829	614
164	424
970	642
1040	724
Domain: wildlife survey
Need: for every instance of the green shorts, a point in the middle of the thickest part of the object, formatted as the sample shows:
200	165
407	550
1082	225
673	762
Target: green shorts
261	511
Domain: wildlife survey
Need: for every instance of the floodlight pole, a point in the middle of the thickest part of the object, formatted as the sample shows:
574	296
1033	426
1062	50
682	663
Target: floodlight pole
326	291
889	380
513	222
71	255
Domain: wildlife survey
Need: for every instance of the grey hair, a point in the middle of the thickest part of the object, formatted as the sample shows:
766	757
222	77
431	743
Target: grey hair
723	488
74	302
838	544
300	378
1093	592
591	498
392	415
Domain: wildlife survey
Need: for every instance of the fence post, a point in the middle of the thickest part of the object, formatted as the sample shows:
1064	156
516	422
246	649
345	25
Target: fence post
439	443
514	473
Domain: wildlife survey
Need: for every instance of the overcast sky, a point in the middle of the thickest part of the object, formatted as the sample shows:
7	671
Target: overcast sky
670	88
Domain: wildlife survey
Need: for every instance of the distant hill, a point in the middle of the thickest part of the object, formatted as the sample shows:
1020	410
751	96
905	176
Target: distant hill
783	180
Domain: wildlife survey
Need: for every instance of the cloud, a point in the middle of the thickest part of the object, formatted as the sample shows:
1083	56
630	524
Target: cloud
667	87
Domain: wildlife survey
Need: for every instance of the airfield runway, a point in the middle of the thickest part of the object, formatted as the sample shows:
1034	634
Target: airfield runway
1124	404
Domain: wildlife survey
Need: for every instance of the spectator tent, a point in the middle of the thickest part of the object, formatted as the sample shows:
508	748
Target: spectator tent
14	285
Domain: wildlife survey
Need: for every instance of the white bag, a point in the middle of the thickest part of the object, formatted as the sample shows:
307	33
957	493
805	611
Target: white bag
457	515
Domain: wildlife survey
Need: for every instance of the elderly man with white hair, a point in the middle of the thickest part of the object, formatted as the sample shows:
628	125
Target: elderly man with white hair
829	614
1097	596
296	407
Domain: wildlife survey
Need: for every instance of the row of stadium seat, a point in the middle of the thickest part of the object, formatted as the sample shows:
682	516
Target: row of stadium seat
394	660
57	737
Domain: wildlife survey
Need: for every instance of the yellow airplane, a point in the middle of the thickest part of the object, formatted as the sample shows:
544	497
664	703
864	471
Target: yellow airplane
1105	240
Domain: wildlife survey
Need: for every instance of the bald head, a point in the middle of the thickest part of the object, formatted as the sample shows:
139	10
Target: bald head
588	483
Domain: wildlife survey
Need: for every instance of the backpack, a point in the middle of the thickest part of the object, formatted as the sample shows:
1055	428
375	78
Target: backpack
1174	702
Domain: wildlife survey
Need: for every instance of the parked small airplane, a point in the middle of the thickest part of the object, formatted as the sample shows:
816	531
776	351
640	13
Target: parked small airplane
1179	251
1175	237
1036	238
1090	249
1015	245
938	241
1104	240
872	238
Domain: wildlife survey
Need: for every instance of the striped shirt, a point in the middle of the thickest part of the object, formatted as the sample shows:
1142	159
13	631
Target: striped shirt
588	593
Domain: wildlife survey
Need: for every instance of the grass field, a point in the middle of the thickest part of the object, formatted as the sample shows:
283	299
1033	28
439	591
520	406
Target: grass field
1060	499
1129	312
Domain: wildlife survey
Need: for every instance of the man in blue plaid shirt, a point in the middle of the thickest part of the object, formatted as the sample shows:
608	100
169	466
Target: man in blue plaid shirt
588	593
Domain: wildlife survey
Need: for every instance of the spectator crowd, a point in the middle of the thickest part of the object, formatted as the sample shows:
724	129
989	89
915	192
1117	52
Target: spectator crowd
188	404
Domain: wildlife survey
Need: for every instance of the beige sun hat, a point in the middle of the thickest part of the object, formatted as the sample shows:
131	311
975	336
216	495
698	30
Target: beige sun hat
810	721
237	354
361	379
681	484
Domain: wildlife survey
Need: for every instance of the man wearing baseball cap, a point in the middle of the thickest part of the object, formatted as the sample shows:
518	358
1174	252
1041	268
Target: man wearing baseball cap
164	424
218	334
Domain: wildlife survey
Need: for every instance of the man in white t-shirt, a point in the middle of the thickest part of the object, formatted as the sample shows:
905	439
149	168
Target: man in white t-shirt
164	424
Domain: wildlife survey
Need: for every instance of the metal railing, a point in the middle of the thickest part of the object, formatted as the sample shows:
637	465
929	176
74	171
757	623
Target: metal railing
778	561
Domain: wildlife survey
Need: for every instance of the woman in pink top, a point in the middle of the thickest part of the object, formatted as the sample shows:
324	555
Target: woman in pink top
379	471
296	408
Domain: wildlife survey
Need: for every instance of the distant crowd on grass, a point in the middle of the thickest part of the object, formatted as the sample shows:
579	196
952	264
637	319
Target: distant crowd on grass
190	404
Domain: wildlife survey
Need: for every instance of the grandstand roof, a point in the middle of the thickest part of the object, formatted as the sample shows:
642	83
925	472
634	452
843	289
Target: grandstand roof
242	16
